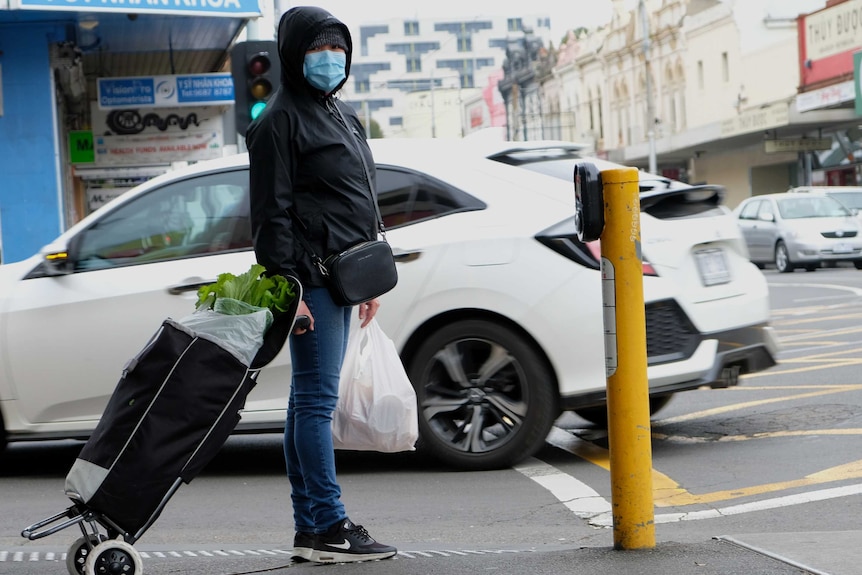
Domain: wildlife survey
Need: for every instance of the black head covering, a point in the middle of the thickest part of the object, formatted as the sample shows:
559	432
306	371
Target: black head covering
331	35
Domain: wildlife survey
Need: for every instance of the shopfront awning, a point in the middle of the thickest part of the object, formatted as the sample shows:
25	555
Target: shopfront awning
144	37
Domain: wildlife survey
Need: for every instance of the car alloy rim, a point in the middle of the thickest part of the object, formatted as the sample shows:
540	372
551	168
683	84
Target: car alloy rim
781	258
475	395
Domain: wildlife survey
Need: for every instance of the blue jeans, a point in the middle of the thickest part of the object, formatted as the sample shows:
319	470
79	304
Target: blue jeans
316	358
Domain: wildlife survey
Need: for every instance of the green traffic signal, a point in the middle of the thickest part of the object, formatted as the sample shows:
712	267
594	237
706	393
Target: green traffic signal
256	71
257	109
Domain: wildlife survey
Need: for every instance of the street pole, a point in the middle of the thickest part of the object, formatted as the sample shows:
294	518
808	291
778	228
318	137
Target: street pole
650	111
367	112
629	435
433	115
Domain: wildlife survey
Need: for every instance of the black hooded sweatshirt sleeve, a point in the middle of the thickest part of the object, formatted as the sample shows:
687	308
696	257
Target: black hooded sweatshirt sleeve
307	151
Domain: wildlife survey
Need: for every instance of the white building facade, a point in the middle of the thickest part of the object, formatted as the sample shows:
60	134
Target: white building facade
695	86
416	77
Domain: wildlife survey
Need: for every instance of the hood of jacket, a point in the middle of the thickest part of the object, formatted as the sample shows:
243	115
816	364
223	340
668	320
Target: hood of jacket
296	30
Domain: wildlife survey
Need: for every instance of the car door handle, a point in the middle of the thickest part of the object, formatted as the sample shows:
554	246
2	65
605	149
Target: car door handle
405	257
192	284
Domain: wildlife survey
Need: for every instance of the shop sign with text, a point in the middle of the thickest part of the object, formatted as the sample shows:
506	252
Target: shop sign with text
161	91
228	8
143	137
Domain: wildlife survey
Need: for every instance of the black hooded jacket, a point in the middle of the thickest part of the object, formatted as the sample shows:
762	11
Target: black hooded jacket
306	156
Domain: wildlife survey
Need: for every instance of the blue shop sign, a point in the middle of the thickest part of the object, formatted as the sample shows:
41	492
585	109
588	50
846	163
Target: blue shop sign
163	91
232	8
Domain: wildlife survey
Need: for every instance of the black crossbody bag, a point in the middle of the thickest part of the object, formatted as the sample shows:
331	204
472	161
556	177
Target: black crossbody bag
360	273
363	271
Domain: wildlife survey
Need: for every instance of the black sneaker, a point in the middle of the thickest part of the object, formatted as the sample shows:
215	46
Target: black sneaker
303	547
345	542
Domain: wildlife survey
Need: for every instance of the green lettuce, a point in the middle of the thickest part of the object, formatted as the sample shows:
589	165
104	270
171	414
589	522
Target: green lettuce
253	287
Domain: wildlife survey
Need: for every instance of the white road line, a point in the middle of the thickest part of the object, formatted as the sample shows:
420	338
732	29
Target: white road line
851	289
588	504
35	556
580	498
763	505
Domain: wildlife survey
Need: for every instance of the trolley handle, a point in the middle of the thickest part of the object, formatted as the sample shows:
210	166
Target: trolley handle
35	531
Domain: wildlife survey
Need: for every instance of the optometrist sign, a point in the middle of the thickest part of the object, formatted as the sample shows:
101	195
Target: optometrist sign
229	8
160	91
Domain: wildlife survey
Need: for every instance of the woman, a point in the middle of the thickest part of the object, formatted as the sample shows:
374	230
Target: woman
312	173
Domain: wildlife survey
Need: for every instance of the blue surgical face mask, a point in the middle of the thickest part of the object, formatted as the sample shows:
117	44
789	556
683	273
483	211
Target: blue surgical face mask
325	69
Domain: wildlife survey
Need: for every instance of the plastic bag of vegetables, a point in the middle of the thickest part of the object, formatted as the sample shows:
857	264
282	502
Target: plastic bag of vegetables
236	311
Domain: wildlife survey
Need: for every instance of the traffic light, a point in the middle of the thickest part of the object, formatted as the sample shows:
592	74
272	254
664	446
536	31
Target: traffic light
256	74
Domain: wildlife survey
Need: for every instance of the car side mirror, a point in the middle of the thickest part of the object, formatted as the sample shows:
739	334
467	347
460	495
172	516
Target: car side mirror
766	217
56	259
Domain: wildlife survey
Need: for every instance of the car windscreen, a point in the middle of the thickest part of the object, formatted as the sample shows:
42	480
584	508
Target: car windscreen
793	208
849	199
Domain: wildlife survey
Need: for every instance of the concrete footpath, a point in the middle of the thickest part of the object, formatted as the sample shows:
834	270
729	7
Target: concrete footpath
819	553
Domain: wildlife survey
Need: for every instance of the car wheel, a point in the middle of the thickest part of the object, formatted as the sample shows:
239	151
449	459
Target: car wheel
486	397
858	264
599	413
782	259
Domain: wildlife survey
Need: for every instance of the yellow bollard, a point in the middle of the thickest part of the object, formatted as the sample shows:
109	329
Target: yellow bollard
625	349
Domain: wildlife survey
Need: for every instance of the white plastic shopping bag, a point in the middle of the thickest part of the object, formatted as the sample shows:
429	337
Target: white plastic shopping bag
376	408
234	325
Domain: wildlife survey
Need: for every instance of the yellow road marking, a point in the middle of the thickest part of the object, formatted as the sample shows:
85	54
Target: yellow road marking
762	435
790	320
773	371
738	406
668	493
673	495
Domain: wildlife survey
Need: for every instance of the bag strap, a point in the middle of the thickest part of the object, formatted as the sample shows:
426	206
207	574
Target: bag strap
303	229
367	173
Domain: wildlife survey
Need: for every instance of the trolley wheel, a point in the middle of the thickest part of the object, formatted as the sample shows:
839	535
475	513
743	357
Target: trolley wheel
113	557
78	552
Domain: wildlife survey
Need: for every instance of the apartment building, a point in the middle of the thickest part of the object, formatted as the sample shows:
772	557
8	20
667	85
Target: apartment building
415	77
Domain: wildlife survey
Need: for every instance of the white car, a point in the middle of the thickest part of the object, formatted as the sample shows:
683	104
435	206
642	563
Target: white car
497	314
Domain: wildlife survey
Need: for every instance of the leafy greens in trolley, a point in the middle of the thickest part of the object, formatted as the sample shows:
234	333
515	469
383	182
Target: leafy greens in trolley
274	292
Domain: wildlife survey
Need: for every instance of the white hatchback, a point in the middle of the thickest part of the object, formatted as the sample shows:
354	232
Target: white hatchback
497	314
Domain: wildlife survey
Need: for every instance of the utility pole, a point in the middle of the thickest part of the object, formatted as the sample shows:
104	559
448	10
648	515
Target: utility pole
433	113
367	113
650	111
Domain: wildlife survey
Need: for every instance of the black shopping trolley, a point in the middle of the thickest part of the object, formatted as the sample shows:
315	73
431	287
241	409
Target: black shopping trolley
177	402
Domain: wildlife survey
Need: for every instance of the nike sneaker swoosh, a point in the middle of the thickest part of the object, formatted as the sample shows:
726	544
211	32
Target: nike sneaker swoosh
344	545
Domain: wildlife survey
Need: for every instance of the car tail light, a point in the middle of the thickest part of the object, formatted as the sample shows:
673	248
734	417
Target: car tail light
563	239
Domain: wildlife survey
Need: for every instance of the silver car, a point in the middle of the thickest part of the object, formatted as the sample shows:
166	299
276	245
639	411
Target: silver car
850	196
799	231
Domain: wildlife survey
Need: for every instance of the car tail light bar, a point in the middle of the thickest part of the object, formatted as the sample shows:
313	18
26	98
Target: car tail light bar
563	239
